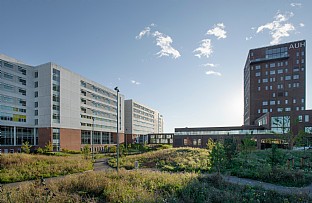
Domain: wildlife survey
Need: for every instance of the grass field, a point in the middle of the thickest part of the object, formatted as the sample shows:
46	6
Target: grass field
20	167
142	186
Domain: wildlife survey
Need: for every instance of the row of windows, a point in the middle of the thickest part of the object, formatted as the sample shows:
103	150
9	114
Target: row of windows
12	117
10	66
279	109
143	113
13	78
143	118
143	108
22	135
99	98
272	102
97	89
281	86
98	126
10	108
12	100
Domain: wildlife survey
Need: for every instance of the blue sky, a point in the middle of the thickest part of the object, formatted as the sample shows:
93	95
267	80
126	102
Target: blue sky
183	58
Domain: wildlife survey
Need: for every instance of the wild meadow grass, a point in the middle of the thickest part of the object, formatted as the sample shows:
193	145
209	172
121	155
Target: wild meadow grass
20	167
142	186
257	165
175	159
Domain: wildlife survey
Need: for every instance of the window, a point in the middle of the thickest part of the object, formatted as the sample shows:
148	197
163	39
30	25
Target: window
7	76
8	65
280	86
36	121
273	94
280	71
302	101
286	94
36	104
296	84
56	107
296	77
264	80
287	109
56	75
302	60
264	110
36	74
272	102
36	93
297	61
279	109
272	65
272	72
259	111
22	70
258	74
264	103
22	81
287	77
36	112
22	91
8	88
300	118
258	67
294	101
56	88
259	88
296	70
272	79
36	84
306	118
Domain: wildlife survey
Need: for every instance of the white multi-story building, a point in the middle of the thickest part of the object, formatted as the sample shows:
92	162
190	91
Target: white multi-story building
48	103
141	120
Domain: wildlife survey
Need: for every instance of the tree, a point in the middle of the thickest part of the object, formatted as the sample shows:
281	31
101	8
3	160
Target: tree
26	147
230	148
86	151
48	147
248	144
218	157
275	157
210	144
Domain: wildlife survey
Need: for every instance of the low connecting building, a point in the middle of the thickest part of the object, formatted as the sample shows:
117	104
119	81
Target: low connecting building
49	103
274	99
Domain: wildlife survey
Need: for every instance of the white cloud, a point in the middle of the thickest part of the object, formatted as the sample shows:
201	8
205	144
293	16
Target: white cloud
164	42
301	24
296	4
135	82
146	31
279	27
249	38
205	49
211	72
211	65
218	31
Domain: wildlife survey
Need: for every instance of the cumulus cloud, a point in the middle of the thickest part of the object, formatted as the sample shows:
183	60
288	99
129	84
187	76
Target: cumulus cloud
296	4
279	27
218	31
211	72
205	49
301	24
211	65
135	82
162	40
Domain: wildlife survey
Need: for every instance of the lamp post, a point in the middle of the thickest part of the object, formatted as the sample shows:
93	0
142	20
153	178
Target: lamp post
92	154
117	90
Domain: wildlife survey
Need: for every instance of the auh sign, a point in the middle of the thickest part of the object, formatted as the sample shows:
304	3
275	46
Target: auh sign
296	45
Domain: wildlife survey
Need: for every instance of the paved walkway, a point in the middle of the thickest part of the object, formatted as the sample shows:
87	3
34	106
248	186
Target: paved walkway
269	186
